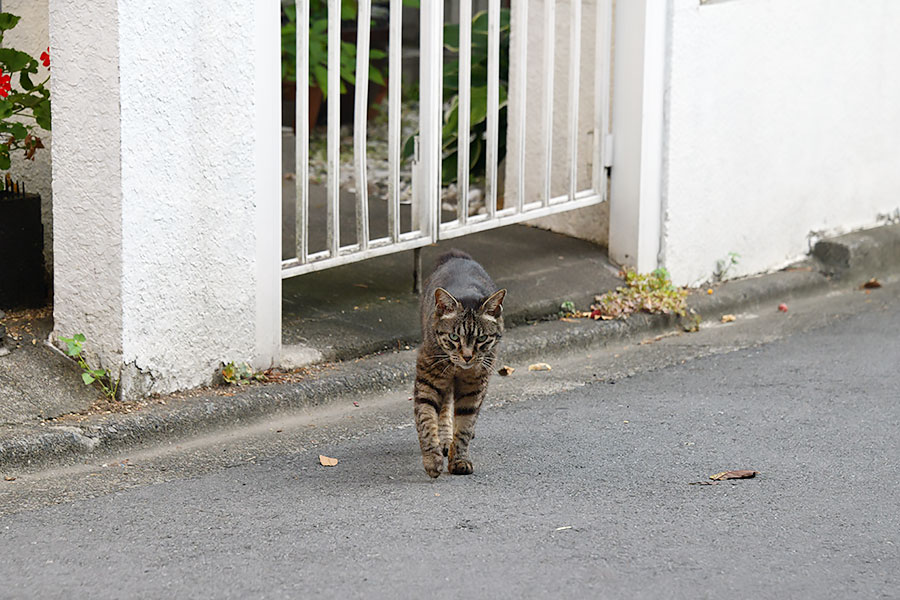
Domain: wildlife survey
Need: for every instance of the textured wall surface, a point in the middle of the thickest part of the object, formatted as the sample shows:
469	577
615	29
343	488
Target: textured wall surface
87	197
32	35
782	121
157	180
188	184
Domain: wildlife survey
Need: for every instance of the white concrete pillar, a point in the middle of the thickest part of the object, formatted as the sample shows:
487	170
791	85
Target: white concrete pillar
166	185
639	87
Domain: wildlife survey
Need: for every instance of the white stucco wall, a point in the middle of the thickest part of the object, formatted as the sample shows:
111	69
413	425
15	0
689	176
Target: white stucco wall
87	231
188	123
782	121
32	35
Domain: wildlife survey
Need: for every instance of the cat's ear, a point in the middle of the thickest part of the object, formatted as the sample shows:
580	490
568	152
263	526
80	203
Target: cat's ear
444	302
493	306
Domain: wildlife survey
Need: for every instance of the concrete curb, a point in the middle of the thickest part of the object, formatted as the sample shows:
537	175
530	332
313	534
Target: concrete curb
859	256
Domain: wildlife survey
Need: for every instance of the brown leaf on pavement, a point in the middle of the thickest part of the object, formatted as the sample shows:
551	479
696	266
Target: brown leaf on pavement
327	461
505	370
539	367
870	284
734	475
728	318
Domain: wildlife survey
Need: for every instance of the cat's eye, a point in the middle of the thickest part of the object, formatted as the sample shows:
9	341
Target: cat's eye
481	338
454	337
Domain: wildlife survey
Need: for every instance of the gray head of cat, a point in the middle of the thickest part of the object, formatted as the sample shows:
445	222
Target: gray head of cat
468	335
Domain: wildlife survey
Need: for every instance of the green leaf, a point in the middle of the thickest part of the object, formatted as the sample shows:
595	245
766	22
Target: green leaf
25	81
87	378
18	130
4	160
409	147
14	60
98	373
8	21
375	76
42	115
79	337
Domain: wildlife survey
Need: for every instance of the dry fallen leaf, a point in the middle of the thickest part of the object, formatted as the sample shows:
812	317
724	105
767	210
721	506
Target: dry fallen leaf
539	367
327	461
871	284
728	318
567	320
505	370
734	475
8	478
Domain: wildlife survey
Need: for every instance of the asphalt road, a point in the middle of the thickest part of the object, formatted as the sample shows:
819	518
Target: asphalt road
582	484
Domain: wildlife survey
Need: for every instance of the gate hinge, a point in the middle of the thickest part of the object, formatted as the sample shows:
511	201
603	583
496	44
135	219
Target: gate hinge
608	150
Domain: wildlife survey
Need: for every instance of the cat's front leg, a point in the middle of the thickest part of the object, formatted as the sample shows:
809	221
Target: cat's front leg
469	395
428	401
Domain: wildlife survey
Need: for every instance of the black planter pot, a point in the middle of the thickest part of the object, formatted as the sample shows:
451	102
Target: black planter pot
23	281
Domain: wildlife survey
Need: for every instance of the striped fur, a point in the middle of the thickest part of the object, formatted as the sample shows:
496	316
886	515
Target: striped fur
462	325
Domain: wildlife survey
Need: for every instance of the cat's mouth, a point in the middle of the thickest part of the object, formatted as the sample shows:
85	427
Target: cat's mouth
465	365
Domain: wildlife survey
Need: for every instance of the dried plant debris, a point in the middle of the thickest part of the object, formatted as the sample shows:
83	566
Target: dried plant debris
505	371
327	461
652	293
871	284
539	367
742	474
728	318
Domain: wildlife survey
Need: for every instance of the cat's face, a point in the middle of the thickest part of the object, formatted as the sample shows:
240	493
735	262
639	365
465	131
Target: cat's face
467	335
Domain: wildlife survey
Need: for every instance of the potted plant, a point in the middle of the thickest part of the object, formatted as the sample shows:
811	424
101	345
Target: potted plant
24	108
318	58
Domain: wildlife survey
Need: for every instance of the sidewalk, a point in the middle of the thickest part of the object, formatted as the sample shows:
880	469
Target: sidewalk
39	390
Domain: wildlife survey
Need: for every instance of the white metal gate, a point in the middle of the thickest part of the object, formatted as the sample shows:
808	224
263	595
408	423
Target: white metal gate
427	226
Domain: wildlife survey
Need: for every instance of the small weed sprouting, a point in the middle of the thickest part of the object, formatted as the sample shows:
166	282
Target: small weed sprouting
239	374
567	309
652	293
74	347
724	265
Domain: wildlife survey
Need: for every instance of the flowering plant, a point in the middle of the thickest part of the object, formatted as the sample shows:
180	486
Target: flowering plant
23	108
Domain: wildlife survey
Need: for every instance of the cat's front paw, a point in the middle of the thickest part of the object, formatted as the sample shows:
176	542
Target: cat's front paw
461	466
433	463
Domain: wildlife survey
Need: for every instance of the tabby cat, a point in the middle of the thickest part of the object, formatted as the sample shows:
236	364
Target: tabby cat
461	326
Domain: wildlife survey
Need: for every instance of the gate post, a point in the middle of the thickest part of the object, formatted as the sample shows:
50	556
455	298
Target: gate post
638	116
166	186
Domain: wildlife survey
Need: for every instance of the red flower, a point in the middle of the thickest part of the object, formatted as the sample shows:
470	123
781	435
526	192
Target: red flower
5	86
45	57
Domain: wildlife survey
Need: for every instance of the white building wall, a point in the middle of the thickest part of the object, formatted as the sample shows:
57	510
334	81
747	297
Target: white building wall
782	122
32	35
182	162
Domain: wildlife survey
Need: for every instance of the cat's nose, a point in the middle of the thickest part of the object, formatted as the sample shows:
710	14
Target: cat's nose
467	358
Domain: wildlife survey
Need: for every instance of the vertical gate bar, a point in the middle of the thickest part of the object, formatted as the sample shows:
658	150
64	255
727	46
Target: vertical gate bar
574	74
522	75
395	42
493	104
363	24
602	53
333	147
549	66
465	108
301	232
430	116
